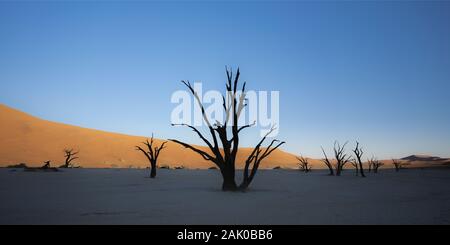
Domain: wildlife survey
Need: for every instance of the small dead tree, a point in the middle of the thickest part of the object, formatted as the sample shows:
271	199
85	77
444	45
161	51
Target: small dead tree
152	153
397	164
46	165
341	157
374	164
69	154
370	163
357	160
377	164
223	147
327	162
355	164
303	164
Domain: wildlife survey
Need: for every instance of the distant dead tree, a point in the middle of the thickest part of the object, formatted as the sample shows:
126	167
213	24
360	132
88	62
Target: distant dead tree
341	157
327	162
152	153
397	164
370	163
224	156
377	165
374	164
355	164
303	164
69	154
357	160
46	165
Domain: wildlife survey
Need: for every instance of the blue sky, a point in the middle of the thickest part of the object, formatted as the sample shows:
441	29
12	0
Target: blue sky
377	72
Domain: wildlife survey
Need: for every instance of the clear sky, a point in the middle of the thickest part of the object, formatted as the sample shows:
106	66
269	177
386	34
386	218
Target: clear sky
377	72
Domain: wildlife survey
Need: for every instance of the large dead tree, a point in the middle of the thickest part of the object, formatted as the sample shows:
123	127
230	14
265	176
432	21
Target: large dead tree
397	164
303	164
69	154
152	153
358	154
223	142
327	162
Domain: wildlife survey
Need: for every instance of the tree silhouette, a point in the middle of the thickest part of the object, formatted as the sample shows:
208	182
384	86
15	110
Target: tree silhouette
327	162
46	165
152	153
303	164
374	164
69	154
341	157
223	149
355	164
357	161
397	164
370	163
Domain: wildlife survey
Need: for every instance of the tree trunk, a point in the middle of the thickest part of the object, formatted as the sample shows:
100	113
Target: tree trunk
153	170
229	183
331	171
244	185
361	170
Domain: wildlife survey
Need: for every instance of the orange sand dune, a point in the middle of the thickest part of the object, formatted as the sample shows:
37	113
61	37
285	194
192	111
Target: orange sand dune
31	140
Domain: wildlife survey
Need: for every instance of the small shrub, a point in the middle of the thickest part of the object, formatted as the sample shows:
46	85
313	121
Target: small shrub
20	165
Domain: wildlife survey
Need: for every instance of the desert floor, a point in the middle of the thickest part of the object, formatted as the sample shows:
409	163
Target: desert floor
128	196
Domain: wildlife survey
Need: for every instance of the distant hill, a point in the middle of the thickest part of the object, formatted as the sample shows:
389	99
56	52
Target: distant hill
423	158
425	161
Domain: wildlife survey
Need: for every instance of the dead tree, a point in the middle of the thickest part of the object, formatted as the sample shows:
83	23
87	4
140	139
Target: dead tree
355	164
303	164
397	164
377	164
69	154
358	154
341	157
222	148
370	163
327	162
374	164
152	153
46	165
